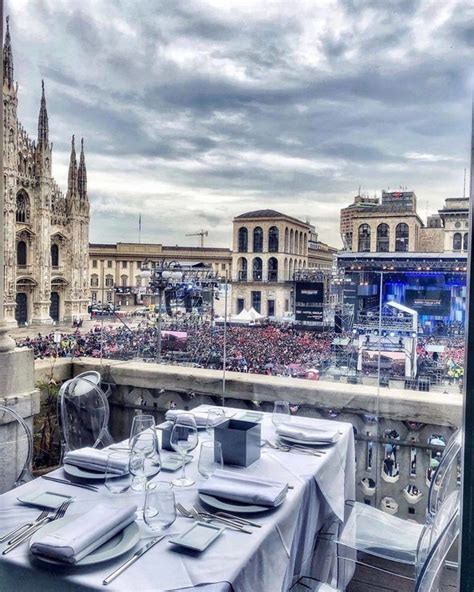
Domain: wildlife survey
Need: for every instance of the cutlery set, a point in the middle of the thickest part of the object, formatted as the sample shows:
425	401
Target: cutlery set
230	521
67	482
295	448
40	521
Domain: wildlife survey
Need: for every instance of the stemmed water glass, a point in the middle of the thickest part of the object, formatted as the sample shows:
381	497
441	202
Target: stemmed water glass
141	423
281	413
145	460
183	439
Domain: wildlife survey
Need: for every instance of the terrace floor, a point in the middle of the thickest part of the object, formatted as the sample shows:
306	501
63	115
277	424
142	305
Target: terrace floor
371	580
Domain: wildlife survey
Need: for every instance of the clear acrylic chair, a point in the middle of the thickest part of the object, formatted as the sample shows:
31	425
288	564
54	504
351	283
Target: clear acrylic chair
16	450
375	532
307	584
84	413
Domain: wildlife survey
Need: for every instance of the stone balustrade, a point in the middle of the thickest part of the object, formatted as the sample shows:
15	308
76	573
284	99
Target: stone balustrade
407	420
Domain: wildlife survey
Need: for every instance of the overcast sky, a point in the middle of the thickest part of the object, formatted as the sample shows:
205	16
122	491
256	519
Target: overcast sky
194	111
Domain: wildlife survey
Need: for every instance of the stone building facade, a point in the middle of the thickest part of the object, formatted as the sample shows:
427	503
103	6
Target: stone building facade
268	247
115	269
46	233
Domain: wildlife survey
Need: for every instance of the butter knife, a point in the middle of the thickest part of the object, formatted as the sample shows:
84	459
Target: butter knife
132	560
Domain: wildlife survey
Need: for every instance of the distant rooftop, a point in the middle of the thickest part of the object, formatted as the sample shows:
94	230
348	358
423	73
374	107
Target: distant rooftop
270	214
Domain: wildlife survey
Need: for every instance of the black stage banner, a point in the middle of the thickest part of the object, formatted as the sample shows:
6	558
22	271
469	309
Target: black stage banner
309	300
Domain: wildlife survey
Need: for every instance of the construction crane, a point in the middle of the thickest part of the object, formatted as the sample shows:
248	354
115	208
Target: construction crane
201	234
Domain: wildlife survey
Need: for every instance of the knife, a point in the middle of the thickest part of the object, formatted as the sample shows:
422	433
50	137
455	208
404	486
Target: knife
132	560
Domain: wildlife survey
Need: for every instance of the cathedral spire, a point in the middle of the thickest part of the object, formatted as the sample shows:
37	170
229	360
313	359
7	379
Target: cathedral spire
82	174
43	130
72	174
8	58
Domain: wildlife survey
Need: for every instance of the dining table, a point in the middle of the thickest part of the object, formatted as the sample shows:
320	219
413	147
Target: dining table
270	559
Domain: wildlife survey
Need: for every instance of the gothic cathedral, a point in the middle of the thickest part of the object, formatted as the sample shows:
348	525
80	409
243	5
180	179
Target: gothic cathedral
46	234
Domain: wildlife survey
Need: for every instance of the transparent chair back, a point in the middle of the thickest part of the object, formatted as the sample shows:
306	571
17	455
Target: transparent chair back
16	450
446	478
84	415
430	573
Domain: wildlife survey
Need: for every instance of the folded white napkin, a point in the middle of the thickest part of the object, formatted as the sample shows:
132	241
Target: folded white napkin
244	488
85	533
96	460
308	434
199	416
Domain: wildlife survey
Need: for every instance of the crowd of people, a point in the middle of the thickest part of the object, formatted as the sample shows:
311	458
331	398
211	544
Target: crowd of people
270	349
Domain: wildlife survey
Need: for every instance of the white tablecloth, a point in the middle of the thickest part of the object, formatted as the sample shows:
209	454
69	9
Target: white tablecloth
269	560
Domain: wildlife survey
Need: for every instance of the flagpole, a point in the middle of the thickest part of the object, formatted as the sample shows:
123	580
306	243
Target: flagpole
139	228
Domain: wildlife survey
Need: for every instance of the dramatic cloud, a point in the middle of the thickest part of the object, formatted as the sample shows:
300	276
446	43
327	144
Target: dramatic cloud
194	111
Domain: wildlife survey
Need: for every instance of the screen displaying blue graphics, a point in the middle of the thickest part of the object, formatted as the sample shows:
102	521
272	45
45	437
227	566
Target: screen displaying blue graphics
309	304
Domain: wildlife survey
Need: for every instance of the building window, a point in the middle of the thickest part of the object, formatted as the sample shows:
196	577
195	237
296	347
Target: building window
54	255
364	238
139	264
273	269
124	281
292	241
383	238
109	281
242	269
271	308
110	296
243	240
257	240
465	242
94	281
21	254
94	296
94	263
22	207
223	266
124	264
273	239
257	300
286	240
240	305
257	270
109	264
402	235
457	241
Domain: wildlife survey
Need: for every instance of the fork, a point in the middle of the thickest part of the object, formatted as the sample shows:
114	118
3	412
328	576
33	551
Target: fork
200	516
26	526
60	512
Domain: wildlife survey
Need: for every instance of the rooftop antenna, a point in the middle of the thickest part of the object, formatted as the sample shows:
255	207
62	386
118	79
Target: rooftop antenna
464	188
359	191
139	228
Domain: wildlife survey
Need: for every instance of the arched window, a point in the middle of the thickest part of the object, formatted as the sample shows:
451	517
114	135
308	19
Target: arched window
94	280
257	240
273	239
402	235
383	237
273	269
242	269
285	269
297	240
457	241
465	242
286	240
22	207
292	239
21	254
54	255
243	240
124	281
257	269
364	238
109	281
290	270
305	245
301	243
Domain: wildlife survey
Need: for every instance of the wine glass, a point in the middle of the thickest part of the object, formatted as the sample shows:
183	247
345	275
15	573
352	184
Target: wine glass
160	505
214	417
210	458
183	439
281	413
145	460
141	423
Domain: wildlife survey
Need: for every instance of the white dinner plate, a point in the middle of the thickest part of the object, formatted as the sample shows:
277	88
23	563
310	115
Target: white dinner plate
306	443
122	542
81	473
235	507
